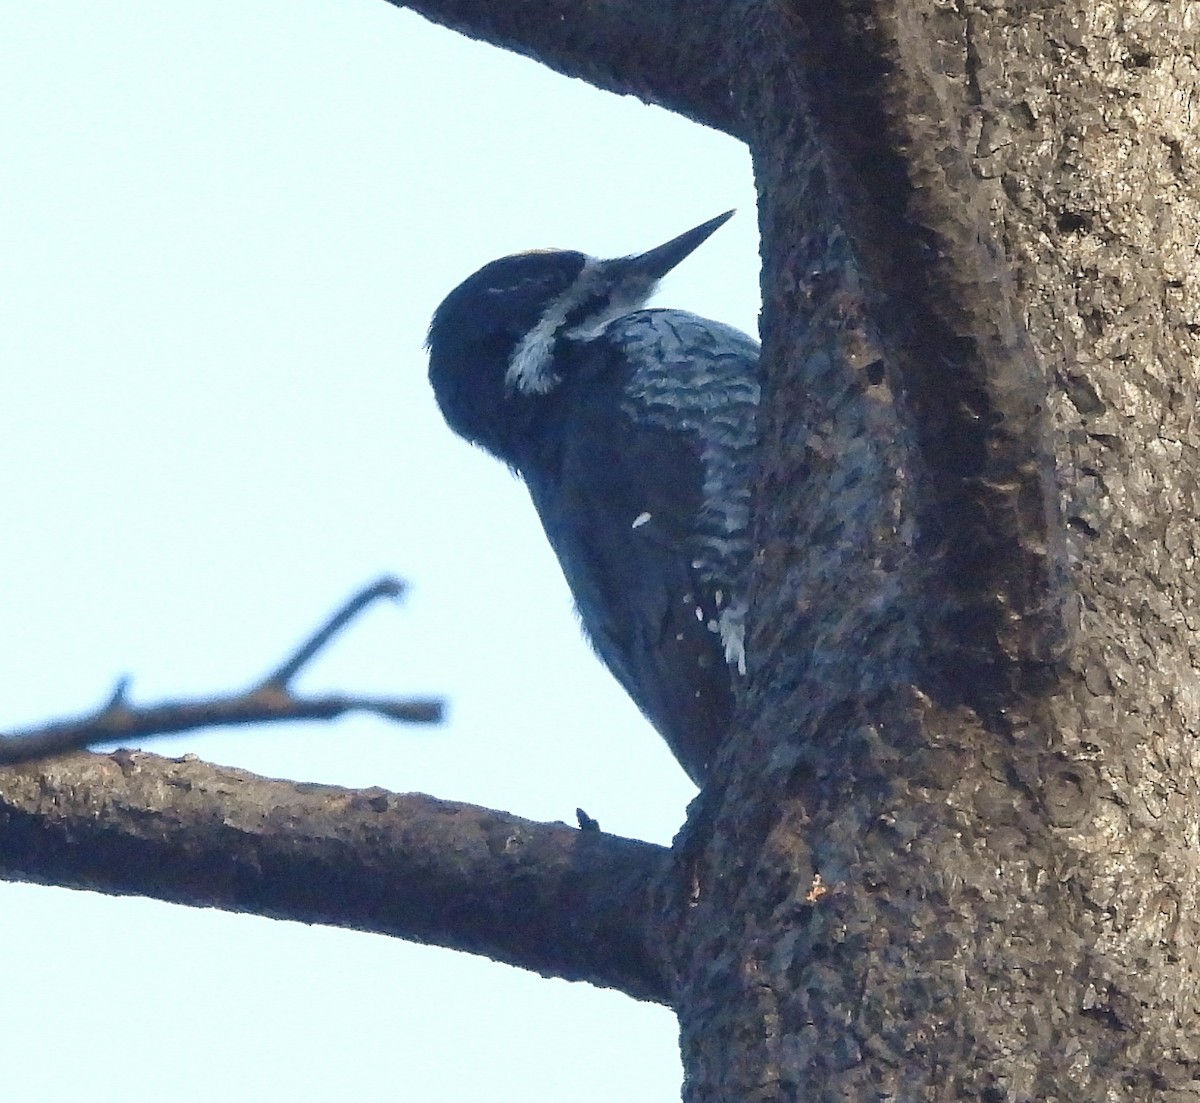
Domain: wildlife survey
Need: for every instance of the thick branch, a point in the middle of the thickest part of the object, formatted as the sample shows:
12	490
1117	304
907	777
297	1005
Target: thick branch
271	701
547	897
889	120
675	54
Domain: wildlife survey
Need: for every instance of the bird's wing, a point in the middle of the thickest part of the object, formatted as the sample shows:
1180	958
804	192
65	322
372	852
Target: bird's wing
647	507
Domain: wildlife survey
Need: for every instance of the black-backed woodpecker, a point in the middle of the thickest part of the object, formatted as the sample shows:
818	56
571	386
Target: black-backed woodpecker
634	431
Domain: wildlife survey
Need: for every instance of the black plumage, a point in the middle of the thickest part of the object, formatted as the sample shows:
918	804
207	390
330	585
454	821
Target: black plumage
634	431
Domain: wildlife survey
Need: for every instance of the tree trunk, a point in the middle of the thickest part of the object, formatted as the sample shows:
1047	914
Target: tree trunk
950	848
953	856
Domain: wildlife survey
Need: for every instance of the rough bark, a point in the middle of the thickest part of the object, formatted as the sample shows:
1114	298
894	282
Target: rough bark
682	56
949	883
547	897
951	851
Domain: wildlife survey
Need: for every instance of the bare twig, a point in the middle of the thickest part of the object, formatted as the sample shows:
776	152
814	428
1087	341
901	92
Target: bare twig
270	701
304	654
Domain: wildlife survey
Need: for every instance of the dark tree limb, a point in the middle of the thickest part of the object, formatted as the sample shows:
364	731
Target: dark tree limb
675	54
271	701
886	98
546	897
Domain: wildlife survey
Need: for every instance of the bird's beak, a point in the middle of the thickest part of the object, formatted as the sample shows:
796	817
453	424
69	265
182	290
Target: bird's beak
655	264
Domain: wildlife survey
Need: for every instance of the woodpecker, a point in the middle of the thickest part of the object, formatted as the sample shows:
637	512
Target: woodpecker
634	431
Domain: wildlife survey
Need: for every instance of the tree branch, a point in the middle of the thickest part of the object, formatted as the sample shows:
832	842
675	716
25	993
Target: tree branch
282	677
675	54
888	115
546	897
270	701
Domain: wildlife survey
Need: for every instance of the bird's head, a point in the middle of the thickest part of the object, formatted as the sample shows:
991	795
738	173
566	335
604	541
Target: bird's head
493	340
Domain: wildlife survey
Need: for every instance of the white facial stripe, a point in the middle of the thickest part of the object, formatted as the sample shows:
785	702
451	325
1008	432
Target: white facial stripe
625	298
529	367
529	370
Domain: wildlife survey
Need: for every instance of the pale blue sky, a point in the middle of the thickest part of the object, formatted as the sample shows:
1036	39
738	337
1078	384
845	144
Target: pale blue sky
224	229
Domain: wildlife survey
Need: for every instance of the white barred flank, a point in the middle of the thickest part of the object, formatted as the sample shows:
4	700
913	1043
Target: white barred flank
695	375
